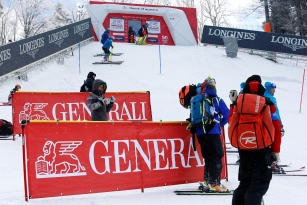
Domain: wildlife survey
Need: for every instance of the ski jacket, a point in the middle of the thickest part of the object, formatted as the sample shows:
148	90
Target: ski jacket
143	31
275	115
221	116
108	43
104	37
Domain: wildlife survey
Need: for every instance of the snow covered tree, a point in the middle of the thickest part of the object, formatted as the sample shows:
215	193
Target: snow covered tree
1	8
282	16
158	2
60	17
31	15
8	23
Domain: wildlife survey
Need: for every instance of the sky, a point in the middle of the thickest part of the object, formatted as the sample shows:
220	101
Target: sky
179	66
251	22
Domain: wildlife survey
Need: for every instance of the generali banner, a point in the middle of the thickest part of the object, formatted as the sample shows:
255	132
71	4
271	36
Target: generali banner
275	42
134	106
69	158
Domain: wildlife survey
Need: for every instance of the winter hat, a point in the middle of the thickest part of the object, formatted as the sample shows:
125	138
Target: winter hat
253	85
269	86
210	86
97	83
210	80
91	74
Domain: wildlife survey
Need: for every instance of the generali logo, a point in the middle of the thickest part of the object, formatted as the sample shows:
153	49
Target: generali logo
58	160
248	140
33	111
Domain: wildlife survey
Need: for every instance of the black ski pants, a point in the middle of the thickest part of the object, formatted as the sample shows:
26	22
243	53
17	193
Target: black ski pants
212	152
255	174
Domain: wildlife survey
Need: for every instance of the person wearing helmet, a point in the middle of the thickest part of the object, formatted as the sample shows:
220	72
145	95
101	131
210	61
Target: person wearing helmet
106	48
16	88
143	33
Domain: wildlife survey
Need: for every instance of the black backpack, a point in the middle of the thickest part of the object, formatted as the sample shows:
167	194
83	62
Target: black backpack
6	128
82	89
185	95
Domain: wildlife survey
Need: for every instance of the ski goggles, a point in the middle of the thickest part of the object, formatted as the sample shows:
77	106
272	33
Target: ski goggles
104	87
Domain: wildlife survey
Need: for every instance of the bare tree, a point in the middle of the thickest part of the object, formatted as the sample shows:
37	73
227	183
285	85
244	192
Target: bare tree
186	3
1	8
30	14
60	17
8	23
158	2
216	11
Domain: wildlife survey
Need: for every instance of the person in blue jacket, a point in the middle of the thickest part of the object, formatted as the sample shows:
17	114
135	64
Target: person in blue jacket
105	36
106	48
276	119
210	141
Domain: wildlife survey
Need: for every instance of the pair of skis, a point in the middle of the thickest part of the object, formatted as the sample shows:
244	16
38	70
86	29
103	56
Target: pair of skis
108	62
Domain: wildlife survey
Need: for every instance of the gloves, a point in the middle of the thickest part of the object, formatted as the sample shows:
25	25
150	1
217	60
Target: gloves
112	99
233	94
105	101
282	131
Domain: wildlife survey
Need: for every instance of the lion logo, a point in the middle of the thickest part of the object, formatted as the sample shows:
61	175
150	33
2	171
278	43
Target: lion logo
59	161
33	111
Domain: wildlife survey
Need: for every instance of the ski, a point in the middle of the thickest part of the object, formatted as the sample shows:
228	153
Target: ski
296	170
231	151
113	54
291	175
199	192
109	62
282	165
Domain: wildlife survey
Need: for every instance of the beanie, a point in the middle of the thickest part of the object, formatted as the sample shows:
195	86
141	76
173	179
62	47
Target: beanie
91	74
269	86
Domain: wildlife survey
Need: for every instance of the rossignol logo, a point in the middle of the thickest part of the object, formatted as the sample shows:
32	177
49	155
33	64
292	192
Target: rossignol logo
248	140
58	160
32	47
5	55
81	29
241	35
58	37
290	42
257	104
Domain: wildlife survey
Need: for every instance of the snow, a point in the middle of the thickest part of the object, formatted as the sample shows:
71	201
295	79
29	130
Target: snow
179	66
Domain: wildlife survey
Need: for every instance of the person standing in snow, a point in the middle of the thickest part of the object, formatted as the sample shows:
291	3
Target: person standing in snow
269	92
143	33
88	83
97	103
104	37
131	35
255	171
210	142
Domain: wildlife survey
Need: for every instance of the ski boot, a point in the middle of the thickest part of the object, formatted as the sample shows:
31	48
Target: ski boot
203	186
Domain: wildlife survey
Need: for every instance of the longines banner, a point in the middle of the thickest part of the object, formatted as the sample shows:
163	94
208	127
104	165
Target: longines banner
275	42
134	106
69	158
21	53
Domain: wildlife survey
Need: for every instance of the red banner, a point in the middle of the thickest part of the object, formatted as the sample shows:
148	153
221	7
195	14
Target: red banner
134	106
68	158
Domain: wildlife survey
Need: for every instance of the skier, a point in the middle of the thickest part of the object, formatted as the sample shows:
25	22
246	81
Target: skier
106	48
210	142
143	32
16	88
105	36
269	92
97	103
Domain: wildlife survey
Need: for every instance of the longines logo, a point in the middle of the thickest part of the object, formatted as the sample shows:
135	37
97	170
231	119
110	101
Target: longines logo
33	111
59	37
5	55
81	29
290	42
229	33
58	160
32	47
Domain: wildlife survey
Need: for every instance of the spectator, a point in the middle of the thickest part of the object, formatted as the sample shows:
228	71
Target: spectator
16	88
97	103
88	83
143	32
131	35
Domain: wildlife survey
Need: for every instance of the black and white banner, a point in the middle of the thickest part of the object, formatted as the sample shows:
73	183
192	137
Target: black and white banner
257	40
21	53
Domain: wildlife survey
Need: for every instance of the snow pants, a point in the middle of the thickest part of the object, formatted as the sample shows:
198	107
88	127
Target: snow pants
255	175
212	152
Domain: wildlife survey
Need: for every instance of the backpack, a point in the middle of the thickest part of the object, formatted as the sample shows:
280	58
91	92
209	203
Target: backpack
6	128
250	126
83	88
185	95
202	110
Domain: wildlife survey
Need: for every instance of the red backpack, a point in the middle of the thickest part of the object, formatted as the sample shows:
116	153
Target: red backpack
250	126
